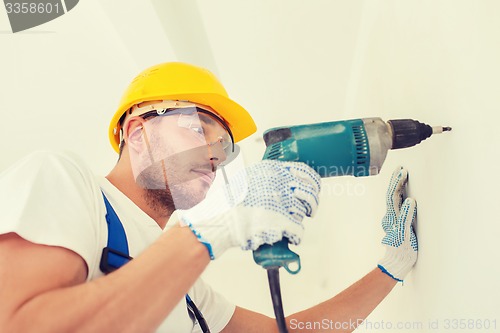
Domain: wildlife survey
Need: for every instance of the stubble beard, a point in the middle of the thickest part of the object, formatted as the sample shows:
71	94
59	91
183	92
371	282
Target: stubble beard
164	192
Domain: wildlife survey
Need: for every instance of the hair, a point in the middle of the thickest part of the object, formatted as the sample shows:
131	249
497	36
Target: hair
122	143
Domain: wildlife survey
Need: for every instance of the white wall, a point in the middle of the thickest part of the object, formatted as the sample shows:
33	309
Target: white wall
438	62
293	62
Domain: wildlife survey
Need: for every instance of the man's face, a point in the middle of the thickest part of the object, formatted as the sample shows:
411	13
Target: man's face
177	159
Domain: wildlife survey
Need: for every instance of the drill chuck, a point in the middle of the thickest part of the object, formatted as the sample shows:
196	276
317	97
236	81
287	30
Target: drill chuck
409	132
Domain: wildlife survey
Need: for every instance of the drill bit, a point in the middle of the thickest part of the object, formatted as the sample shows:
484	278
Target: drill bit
440	129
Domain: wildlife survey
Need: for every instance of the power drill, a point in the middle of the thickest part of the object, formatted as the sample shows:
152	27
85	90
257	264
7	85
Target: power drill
356	147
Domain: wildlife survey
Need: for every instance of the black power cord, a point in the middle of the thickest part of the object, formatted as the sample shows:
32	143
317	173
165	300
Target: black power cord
273	276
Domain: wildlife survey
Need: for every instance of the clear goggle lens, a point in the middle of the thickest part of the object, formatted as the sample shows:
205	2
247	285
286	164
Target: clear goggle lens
202	124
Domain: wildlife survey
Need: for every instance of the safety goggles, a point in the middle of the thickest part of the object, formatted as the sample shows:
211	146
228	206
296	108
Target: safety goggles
204	125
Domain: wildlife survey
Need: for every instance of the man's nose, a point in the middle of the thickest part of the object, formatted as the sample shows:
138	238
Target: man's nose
216	153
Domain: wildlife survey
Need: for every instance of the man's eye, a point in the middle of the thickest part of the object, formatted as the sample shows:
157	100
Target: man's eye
198	130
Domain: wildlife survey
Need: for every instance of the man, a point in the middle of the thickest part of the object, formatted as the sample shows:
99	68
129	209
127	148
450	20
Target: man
174	128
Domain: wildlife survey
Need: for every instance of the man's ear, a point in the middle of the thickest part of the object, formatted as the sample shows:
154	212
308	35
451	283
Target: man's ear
133	133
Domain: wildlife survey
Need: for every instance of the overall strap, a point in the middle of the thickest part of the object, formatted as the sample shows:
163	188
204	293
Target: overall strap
115	254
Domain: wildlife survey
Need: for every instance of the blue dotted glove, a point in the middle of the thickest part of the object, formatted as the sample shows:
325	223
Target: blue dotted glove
400	240
268	200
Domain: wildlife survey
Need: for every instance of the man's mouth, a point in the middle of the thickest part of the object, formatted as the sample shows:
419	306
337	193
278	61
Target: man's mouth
206	175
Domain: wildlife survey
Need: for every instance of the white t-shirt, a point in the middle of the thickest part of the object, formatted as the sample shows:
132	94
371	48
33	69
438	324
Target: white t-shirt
54	199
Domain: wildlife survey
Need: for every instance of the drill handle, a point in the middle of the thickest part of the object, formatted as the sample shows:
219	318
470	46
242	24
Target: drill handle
277	255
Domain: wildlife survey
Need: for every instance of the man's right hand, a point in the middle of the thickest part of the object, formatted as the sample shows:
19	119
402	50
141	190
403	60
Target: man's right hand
269	201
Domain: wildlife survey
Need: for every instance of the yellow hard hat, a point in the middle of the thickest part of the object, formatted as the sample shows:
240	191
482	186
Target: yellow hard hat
185	82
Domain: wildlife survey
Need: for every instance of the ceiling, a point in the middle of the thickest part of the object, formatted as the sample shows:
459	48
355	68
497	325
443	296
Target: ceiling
286	62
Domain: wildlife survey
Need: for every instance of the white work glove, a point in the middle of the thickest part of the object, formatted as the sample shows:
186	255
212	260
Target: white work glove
272	199
400	240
